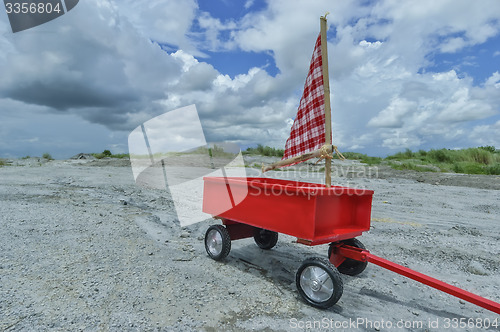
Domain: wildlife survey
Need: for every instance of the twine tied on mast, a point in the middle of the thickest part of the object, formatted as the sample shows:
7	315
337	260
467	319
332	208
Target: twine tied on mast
326	152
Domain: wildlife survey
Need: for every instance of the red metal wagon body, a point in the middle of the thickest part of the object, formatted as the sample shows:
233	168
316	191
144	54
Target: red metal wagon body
311	212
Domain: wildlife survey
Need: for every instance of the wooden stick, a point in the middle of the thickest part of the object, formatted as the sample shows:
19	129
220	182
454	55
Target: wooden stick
326	87
306	156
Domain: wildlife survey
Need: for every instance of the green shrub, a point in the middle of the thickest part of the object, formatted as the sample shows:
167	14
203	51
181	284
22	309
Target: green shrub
409	165
371	160
354	155
440	156
493	169
362	158
265	151
105	153
480	156
47	156
121	155
468	167
488	148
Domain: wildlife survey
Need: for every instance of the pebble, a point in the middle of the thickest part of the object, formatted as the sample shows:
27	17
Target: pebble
476	268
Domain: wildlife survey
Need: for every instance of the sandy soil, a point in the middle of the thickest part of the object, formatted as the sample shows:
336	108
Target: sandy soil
82	247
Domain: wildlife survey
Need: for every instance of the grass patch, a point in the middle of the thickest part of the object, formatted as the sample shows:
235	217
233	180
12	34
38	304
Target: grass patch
215	151
493	169
481	160
411	165
265	151
363	158
108	154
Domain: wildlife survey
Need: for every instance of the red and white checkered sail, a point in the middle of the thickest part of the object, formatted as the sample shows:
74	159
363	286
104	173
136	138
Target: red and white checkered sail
308	129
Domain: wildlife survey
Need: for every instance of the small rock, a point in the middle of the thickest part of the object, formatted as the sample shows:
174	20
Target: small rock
123	202
476	268
184	234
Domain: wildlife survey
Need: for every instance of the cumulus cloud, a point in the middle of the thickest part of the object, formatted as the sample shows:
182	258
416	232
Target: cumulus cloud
167	22
393	116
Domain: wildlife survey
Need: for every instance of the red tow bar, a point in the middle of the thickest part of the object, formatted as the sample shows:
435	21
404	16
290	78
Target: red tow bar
342	251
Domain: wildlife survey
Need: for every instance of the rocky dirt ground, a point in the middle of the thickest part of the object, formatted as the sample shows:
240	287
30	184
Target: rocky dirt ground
82	247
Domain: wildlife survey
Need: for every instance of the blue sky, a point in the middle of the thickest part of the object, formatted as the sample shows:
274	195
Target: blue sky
403	74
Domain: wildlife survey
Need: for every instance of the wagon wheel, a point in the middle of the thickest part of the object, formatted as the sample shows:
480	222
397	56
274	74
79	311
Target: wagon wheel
217	242
319	283
350	266
265	239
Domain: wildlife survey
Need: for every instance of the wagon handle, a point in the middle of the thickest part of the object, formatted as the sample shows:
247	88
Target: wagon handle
342	251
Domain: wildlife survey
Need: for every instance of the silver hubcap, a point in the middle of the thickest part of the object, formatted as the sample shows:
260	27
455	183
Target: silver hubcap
214	242
316	283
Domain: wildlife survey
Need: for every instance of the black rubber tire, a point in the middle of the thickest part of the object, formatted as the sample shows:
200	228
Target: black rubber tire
265	239
307	291
350	266
225	241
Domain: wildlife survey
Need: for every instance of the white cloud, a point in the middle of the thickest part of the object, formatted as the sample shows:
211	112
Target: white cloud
452	45
249	3
397	139
213	28
370	45
493	80
162	21
393	116
488	134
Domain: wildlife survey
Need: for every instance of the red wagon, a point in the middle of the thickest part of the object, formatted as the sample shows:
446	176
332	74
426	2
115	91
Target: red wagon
263	207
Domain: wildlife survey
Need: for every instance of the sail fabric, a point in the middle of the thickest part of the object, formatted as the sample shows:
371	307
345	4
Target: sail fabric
308	129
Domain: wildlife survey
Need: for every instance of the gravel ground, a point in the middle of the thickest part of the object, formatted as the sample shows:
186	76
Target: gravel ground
84	248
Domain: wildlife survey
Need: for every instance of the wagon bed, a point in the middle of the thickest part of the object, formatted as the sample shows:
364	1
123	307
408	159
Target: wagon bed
311	212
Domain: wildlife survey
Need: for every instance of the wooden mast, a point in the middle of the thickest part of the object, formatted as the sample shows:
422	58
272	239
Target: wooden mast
326	87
